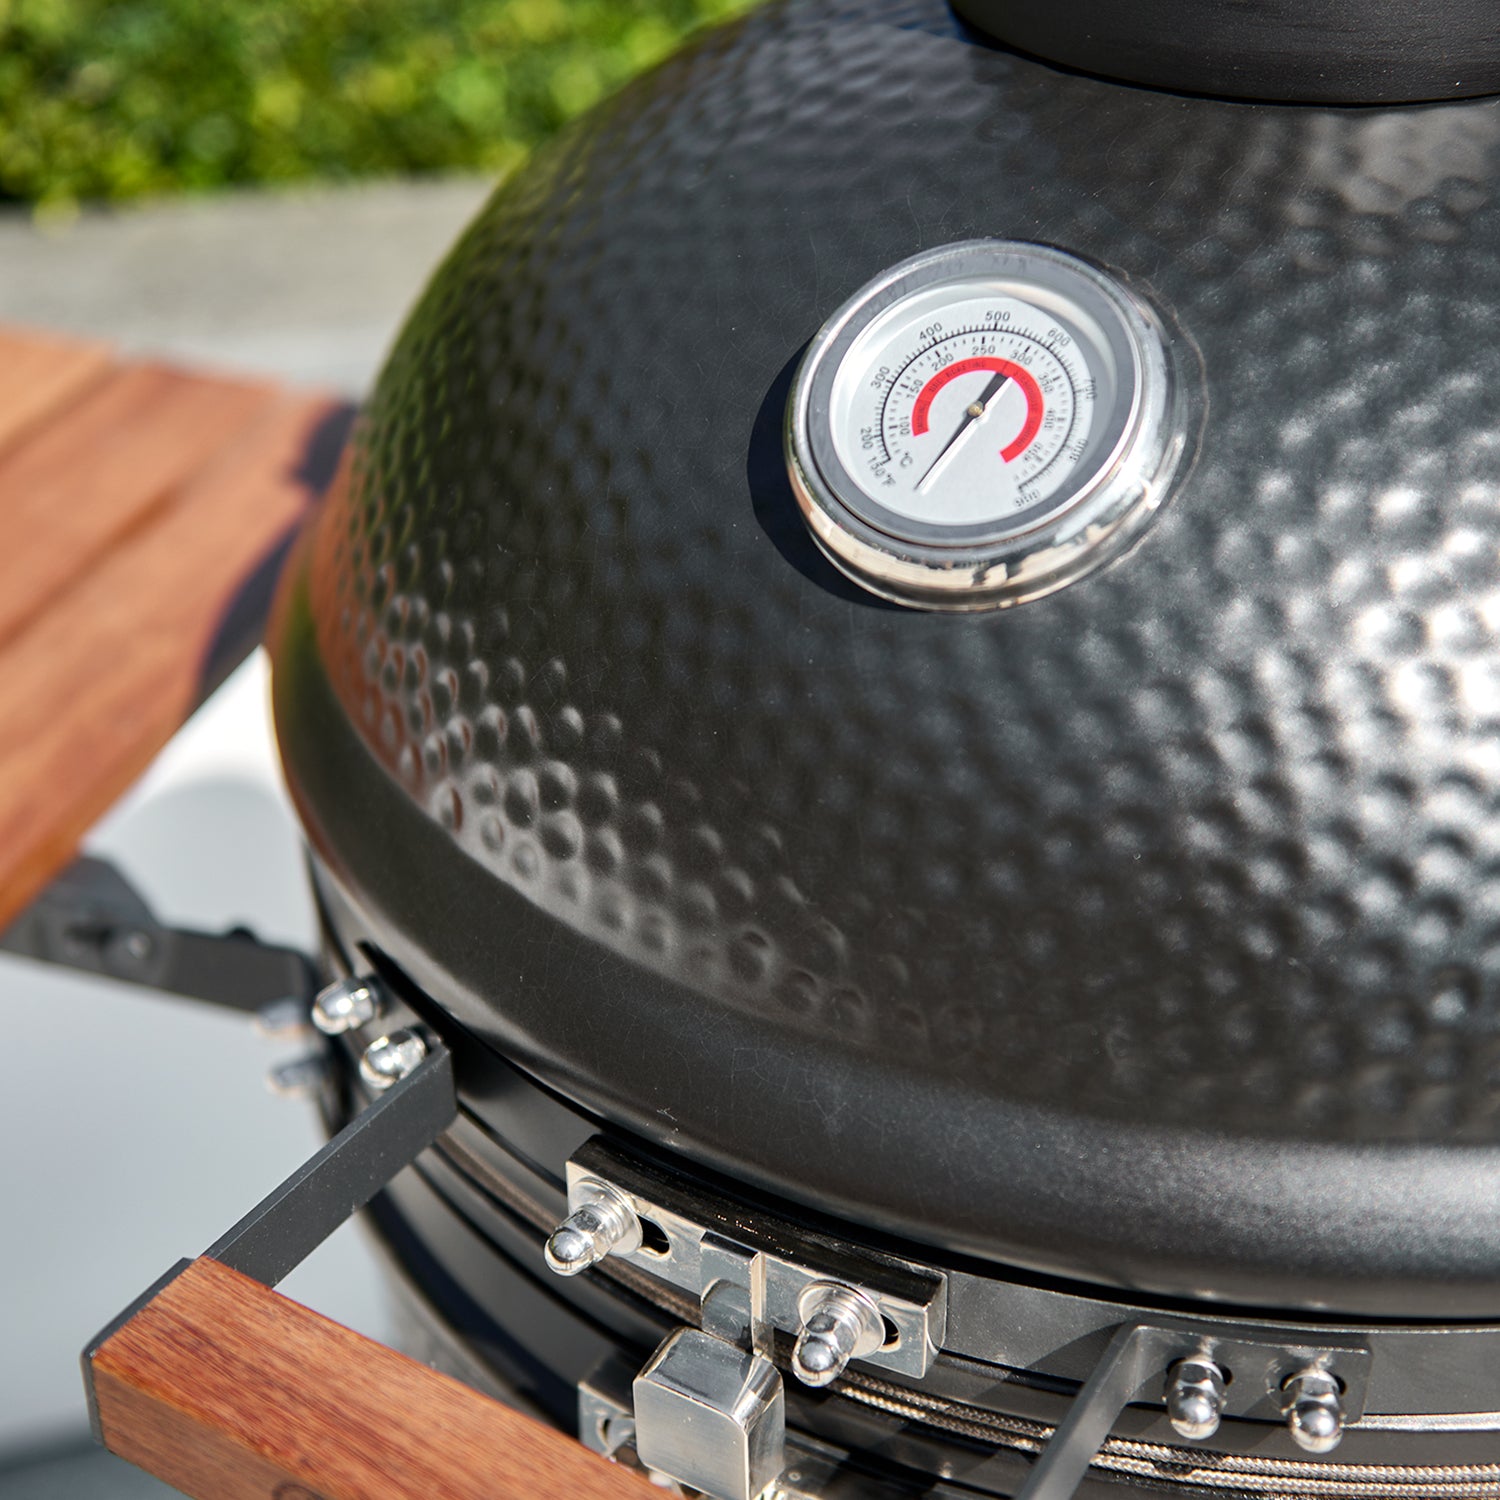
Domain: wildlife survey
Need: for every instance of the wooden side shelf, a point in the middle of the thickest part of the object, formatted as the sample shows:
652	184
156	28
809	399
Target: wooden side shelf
137	502
142	510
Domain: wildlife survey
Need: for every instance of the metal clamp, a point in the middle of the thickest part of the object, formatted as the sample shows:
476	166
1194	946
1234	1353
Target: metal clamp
1317	1390
711	1415
653	1419
839	1304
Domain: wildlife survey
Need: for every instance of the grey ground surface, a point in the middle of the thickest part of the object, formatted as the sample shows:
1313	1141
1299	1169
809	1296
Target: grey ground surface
137	1127
78	1473
304	284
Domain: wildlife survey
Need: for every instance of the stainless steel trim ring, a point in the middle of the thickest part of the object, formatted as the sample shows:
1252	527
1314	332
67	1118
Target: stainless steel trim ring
1097	395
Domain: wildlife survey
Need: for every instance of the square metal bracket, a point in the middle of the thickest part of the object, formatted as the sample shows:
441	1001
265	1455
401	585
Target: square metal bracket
692	1239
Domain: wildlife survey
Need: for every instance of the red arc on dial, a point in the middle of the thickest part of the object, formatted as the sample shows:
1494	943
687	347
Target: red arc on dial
1024	379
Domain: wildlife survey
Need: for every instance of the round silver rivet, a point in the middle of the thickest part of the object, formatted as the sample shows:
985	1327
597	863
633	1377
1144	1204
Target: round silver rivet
1313	1405
838	1323
346	1006
391	1058
1195	1398
603	1221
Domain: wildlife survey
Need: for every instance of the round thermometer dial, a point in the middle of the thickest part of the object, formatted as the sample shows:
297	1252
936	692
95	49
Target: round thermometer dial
982	424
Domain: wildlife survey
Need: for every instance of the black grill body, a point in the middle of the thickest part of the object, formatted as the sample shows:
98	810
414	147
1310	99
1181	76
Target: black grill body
1146	936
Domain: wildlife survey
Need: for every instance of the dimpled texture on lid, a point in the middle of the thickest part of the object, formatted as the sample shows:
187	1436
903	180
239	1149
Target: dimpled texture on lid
1206	841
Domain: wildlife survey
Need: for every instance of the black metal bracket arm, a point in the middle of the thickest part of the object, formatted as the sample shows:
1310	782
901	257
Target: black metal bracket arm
92	919
281	1231
1117	1380
288	1225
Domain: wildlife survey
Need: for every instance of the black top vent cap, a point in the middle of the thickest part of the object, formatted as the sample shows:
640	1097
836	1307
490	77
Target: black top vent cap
1286	51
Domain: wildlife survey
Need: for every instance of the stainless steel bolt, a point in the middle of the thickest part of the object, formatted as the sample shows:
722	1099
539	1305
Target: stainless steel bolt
839	1323
391	1058
346	1006
1195	1398
603	1221
1313	1404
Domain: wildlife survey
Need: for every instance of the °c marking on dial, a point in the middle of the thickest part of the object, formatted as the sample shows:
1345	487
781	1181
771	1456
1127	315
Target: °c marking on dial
1035	402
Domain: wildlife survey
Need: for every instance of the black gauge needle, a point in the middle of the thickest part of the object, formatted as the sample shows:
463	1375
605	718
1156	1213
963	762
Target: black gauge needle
972	413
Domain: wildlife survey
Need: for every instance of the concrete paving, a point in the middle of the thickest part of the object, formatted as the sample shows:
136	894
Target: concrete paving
137	1128
305	284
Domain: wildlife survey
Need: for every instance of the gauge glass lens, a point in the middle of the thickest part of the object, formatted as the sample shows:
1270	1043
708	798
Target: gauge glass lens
983	423
968	405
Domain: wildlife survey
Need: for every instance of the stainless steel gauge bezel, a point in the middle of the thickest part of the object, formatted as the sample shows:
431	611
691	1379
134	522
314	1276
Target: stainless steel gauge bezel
1120	482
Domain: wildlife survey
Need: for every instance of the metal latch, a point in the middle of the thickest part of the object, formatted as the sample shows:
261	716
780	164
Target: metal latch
758	1275
709	1418
711	1415
837	1303
708	1410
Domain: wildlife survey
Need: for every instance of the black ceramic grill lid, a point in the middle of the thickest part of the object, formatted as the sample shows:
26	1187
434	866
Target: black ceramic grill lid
1148	933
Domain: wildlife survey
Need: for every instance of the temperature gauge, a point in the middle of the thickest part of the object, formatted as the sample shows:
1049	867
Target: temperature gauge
983	424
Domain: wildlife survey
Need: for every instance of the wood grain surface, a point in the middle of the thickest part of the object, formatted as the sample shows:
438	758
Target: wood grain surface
39	374
132	512
79	483
229	1391
137	503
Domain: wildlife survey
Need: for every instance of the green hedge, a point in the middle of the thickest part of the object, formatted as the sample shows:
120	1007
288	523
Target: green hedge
117	98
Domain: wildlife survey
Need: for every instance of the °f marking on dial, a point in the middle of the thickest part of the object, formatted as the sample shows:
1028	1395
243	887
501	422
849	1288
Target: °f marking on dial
1035	402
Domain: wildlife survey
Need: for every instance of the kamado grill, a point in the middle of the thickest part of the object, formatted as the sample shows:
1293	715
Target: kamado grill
897	712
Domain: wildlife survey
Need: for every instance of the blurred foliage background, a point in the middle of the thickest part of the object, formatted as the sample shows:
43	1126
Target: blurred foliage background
113	99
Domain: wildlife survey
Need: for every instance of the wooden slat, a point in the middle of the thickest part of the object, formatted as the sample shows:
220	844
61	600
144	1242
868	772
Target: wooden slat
94	686
77	485
230	1392
40	376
